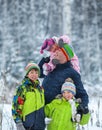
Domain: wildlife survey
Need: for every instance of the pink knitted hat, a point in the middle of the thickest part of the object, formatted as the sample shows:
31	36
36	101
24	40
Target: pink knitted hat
47	44
65	39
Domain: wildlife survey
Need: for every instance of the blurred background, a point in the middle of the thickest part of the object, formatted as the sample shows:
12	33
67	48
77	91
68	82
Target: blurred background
25	24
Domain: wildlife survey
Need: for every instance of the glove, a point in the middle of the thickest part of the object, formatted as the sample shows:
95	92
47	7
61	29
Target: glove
40	64
47	59
47	120
20	126
43	60
77	118
86	110
82	110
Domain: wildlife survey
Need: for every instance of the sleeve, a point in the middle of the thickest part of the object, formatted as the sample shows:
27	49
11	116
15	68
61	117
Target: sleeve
42	61
49	108
80	91
17	103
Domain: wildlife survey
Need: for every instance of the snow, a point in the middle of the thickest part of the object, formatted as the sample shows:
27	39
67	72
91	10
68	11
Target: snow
95	106
7	122
95	122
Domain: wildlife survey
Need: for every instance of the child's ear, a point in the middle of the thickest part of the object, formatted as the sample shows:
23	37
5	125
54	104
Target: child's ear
61	43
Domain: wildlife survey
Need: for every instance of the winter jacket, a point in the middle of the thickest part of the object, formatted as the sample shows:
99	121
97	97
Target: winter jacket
59	110
28	105
53	81
75	63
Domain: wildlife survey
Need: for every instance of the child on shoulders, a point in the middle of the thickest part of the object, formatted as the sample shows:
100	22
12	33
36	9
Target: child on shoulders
51	45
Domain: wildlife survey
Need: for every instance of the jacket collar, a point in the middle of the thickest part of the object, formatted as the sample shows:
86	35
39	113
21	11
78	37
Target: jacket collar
65	65
27	81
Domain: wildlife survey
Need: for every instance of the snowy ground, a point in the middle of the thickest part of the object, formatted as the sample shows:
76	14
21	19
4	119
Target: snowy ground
95	121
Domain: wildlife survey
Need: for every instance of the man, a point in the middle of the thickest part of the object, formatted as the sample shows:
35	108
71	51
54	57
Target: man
53	81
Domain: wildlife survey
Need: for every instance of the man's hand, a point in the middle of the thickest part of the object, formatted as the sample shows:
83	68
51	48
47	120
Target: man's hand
77	118
82	110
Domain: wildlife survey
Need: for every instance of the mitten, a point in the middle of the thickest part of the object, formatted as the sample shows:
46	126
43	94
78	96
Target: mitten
86	110
82	110
20	126
85	115
47	120
77	118
43	60
47	59
46	68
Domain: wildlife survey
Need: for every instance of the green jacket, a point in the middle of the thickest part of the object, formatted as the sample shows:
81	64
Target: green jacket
59	110
28	99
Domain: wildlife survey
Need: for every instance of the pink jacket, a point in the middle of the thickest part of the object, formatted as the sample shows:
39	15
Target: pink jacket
48	67
75	63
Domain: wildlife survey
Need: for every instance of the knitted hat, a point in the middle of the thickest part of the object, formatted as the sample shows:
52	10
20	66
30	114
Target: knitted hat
55	39
31	66
47	44
70	87
66	49
65	38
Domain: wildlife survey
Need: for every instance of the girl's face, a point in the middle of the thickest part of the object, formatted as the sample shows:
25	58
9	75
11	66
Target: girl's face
54	47
67	95
33	75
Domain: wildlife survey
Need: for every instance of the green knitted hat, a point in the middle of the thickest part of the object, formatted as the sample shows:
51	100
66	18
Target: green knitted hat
31	66
67	49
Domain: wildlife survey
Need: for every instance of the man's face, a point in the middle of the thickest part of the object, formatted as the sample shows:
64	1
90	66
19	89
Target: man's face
59	55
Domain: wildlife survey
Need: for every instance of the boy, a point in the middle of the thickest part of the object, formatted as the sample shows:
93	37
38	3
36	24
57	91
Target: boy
28	102
63	110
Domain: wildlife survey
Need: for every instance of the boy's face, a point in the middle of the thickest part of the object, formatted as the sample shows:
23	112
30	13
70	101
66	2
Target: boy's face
67	95
33	74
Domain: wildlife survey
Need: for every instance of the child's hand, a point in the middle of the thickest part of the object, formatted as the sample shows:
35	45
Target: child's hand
77	118
47	120
47	59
